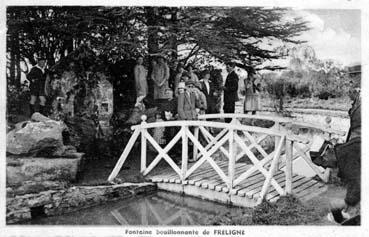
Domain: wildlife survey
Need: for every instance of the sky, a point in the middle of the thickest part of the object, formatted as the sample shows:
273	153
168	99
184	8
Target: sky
335	34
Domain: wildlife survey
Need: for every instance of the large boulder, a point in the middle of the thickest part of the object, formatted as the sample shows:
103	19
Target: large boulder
40	136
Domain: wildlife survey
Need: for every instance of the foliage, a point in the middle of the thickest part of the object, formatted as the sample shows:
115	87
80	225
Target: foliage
238	34
95	36
16	98
55	32
224	33
308	77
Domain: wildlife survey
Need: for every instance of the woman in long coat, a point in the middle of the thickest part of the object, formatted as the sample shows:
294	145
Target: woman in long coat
160	76
252	100
140	74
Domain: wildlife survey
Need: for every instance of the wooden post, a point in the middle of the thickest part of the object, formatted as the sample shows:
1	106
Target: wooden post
184	152
196	133
277	138
143	145
288	169
234	121
272	169
124	155
232	160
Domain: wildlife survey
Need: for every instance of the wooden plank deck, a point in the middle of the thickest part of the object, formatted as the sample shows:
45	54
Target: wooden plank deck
206	183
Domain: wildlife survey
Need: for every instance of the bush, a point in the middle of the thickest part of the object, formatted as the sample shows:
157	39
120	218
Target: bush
304	91
16	99
307	84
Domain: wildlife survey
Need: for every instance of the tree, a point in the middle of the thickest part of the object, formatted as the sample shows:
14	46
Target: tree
240	34
54	32
190	34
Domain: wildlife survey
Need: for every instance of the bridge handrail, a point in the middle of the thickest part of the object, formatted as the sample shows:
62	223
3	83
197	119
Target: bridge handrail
198	123
274	119
284	143
239	115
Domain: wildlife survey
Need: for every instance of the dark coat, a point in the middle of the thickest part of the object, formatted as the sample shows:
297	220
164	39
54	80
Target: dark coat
349	168
37	81
231	88
168	105
210	98
355	119
123	81
349	156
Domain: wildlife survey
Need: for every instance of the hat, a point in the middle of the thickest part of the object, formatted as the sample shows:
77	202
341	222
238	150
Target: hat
186	74
181	85
41	58
190	82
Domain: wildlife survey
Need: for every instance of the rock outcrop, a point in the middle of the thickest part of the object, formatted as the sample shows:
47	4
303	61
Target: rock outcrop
38	136
36	153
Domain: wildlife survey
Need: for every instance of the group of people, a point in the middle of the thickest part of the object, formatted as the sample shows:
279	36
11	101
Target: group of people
184	94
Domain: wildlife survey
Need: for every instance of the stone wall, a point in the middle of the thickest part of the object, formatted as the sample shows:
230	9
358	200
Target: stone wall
56	202
21	169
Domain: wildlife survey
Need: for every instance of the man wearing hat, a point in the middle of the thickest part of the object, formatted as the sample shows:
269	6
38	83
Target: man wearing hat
183	78
186	101
230	90
207	89
37	79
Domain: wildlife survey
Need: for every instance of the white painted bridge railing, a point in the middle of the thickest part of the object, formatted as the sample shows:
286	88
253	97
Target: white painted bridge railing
298	149
277	122
229	133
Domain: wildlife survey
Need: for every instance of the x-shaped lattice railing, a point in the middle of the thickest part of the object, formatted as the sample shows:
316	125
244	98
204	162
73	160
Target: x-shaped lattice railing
204	152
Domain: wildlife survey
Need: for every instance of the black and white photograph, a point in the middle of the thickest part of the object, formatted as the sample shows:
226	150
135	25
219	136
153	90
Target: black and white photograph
203	119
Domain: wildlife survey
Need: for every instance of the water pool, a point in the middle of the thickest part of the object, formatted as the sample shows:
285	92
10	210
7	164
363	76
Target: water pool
160	208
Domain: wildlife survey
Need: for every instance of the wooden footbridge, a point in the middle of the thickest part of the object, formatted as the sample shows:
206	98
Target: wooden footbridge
230	162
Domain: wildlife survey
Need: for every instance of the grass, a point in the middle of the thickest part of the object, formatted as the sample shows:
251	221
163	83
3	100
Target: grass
287	210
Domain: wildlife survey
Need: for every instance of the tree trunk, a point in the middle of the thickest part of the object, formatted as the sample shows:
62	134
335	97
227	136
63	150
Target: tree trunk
12	60
281	104
152	42
18	61
173	39
152	23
